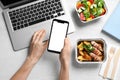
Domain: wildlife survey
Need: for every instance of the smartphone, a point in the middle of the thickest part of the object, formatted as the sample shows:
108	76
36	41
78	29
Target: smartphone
58	33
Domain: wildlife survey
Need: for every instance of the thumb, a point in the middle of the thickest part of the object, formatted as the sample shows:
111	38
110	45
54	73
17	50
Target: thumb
66	42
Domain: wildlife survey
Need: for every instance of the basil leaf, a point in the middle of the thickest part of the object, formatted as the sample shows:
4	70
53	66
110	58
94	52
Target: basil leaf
88	48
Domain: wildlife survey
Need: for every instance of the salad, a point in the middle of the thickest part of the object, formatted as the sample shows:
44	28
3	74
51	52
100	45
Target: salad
90	9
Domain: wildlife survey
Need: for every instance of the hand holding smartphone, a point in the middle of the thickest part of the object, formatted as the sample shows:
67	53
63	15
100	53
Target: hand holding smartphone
59	30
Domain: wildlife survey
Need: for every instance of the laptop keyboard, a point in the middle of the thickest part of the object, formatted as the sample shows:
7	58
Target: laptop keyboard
35	13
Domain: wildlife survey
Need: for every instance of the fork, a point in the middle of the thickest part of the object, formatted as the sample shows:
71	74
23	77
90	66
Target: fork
115	63
110	56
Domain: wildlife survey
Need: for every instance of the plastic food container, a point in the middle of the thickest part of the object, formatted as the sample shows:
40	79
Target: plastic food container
92	17
98	41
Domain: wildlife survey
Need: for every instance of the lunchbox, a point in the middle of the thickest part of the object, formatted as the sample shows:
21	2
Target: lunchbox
92	18
97	40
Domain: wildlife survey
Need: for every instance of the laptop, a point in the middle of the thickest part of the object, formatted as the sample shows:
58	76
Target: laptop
24	17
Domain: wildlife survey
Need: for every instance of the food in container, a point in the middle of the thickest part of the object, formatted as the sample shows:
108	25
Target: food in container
89	10
91	50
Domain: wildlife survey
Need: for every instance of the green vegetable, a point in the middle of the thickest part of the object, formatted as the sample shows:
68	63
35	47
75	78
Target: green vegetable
88	48
86	14
100	5
84	2
93	11
96	1
102	2
99	11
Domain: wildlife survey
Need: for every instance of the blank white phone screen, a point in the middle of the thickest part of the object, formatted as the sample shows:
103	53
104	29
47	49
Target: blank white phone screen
58	35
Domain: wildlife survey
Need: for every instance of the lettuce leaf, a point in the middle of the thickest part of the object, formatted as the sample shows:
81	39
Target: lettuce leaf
86	14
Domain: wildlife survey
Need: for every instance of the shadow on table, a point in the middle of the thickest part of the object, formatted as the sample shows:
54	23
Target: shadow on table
82	66
77	21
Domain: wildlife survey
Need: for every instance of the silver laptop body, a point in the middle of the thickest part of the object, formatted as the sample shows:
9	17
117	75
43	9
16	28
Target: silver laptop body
21	37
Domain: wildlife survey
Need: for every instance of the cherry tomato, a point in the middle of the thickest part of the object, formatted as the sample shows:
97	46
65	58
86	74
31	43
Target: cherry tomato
82	17
92	16
91	1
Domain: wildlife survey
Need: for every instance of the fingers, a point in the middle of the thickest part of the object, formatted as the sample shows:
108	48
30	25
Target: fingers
67	43
35	35
38	36
42	36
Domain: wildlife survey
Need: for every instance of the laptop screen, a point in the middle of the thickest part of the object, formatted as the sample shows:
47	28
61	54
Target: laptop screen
10	3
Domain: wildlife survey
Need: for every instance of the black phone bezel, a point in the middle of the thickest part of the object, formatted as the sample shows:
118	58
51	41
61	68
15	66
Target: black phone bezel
60	21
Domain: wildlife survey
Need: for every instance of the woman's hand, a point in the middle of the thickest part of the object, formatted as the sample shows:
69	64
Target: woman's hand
65	60
65	54
37	46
